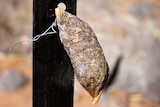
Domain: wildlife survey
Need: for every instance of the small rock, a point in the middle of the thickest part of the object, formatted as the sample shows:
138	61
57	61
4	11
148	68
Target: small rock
12	80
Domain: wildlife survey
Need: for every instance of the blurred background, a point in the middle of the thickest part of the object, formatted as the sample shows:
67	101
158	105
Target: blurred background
129	33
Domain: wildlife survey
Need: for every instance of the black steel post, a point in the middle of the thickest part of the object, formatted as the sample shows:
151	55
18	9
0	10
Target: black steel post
52	70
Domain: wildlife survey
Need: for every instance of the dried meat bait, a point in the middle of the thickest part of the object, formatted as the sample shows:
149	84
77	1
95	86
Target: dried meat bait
87	57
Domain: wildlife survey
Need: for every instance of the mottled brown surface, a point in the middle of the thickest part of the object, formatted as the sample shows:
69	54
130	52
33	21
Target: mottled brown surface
86	54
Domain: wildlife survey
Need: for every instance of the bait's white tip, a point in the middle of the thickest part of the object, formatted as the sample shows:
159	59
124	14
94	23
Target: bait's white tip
62	5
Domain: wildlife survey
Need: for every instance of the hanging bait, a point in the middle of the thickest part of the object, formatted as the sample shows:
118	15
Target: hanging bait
86	55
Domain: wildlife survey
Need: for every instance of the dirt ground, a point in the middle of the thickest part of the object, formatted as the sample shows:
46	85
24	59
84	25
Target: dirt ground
22	97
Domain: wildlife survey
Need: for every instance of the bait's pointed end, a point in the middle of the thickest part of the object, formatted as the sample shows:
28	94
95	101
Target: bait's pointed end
96	99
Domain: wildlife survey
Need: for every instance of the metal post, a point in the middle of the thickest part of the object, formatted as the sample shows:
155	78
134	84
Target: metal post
52	70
